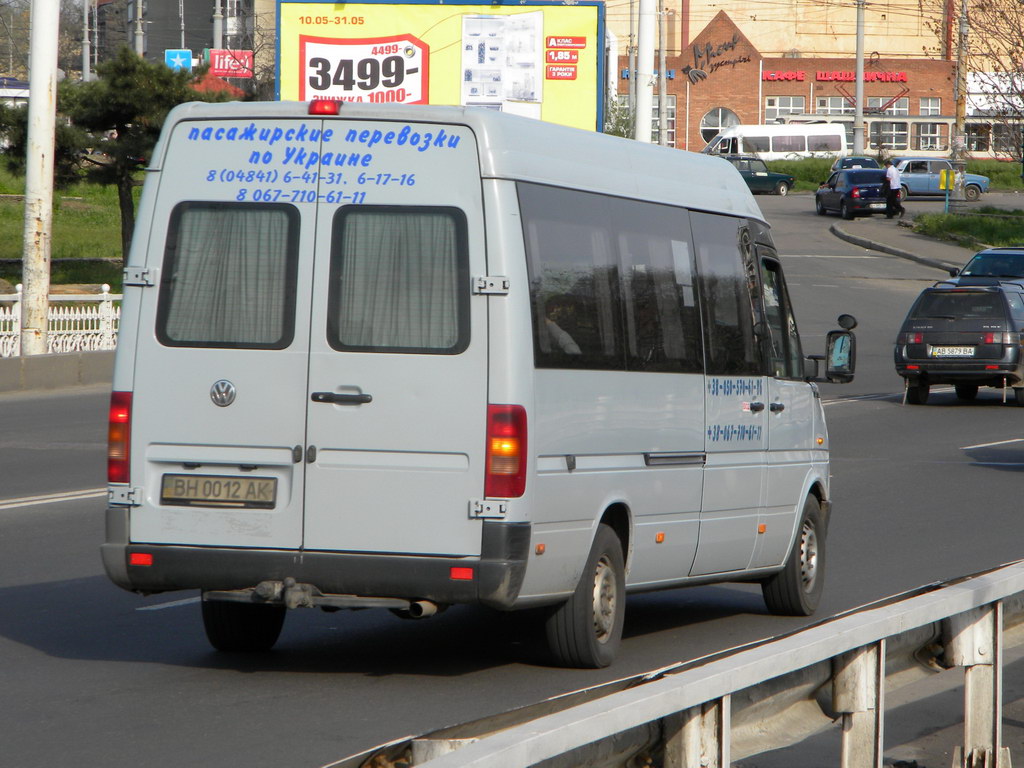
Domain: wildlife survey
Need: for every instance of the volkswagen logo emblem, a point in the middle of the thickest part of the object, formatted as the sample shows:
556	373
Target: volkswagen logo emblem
222	393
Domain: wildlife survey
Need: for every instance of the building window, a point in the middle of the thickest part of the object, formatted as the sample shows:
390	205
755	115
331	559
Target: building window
930	136
931	105
833	105
777	106
898	107
1006	139
978	137
888	135
715	120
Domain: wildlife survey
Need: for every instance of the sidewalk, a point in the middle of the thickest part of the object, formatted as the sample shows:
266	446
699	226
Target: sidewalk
898	239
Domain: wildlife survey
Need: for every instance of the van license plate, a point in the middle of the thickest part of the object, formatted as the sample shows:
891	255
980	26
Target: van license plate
952	351
219	491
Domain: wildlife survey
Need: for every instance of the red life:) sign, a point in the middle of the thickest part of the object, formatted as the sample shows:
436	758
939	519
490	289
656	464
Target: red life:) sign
226	62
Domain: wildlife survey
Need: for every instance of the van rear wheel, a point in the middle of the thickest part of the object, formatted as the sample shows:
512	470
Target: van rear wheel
242	627
796	589
586	630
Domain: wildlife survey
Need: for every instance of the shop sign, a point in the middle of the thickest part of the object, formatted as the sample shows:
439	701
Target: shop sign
843	76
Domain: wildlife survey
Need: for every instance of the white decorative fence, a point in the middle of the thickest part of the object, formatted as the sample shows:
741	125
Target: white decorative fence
78	322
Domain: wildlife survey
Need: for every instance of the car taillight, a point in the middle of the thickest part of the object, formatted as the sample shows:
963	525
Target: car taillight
506	451
911	338
119	426
855	192
1001	338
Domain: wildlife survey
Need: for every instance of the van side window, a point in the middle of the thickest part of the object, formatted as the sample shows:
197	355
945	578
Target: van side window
611	282
399	280
783	342
756	144
229	276
728	288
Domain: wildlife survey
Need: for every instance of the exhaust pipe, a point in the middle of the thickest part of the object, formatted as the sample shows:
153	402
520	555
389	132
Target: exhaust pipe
421	609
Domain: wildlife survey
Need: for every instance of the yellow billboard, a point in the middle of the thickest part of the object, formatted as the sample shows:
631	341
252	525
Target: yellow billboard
539	59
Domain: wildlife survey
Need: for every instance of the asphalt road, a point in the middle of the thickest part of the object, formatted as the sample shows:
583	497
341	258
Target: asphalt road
91	675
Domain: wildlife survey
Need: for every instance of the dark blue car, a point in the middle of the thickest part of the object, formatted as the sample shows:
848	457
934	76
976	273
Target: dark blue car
852	192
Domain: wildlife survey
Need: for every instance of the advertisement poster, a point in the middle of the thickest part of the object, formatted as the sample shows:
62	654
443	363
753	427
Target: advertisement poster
538	59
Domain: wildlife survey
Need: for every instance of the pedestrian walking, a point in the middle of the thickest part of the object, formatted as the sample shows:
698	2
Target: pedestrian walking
893	206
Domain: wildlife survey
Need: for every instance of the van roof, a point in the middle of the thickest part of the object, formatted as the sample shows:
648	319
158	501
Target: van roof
521	148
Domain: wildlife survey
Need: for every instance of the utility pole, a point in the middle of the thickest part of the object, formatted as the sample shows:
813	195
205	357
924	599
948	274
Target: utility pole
631	58
86	53
218	25
140	36
662	80
645	72
858	107
42	121
960	94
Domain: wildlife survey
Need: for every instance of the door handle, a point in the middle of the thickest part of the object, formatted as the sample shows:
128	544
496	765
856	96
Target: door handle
756	407
339	399
777	407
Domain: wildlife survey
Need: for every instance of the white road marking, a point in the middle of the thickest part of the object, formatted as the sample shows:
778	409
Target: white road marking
52	498
172	604
989	445
816	256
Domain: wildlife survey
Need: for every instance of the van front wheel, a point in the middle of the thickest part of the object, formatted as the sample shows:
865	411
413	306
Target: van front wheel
585	631
796	589
242	627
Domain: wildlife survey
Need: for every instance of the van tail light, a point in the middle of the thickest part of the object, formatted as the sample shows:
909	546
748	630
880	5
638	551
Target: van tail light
506	451
119	427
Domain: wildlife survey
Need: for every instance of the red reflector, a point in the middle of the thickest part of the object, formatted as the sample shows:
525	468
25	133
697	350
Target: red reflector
991	367
119	425
461	574
913	367
323	107
140	558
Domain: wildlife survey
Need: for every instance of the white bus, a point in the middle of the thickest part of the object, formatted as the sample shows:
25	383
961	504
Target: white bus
780	142
410	356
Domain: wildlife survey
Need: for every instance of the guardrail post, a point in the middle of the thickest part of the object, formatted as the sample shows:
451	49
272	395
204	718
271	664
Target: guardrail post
699	737
974	642
858	693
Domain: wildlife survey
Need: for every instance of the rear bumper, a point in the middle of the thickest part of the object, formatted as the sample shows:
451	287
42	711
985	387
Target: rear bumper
497	573
962	373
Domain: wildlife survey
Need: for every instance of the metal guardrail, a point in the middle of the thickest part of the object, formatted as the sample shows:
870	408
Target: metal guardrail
76	322
735	704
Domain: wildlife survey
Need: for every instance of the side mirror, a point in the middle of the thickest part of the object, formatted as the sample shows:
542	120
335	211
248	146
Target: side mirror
840	356
847	322
953	271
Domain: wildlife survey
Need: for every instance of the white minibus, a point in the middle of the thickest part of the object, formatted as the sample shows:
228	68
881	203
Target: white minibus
791	141
409	357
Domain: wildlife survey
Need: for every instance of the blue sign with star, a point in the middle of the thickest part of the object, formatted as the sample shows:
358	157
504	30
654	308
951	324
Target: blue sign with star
178	58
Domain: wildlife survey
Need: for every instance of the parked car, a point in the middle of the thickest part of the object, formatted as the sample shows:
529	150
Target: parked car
852	192
920	176
854	162
1004	263
967	335
759	179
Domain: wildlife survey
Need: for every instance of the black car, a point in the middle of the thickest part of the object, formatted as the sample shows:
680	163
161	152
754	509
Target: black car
758	177
1006	264
967	335
852	192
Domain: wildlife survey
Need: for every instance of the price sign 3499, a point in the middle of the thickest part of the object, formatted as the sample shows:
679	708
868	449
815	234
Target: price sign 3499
379	69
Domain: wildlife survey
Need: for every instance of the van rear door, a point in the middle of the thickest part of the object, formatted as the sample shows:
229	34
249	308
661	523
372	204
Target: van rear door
397	395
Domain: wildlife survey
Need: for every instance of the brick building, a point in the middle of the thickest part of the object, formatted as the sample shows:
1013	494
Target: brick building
722	79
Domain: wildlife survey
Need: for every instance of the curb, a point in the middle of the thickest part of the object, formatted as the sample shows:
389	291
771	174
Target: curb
873	245
45	372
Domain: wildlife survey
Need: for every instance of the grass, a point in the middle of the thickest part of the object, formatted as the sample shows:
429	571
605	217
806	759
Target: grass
86	225
984	226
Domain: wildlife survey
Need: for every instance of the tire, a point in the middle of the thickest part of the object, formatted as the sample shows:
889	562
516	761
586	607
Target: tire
966	391
1018	395
844	211
242	627
585	631
917	394
818	207
904	193
972	193
796	589
782	189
